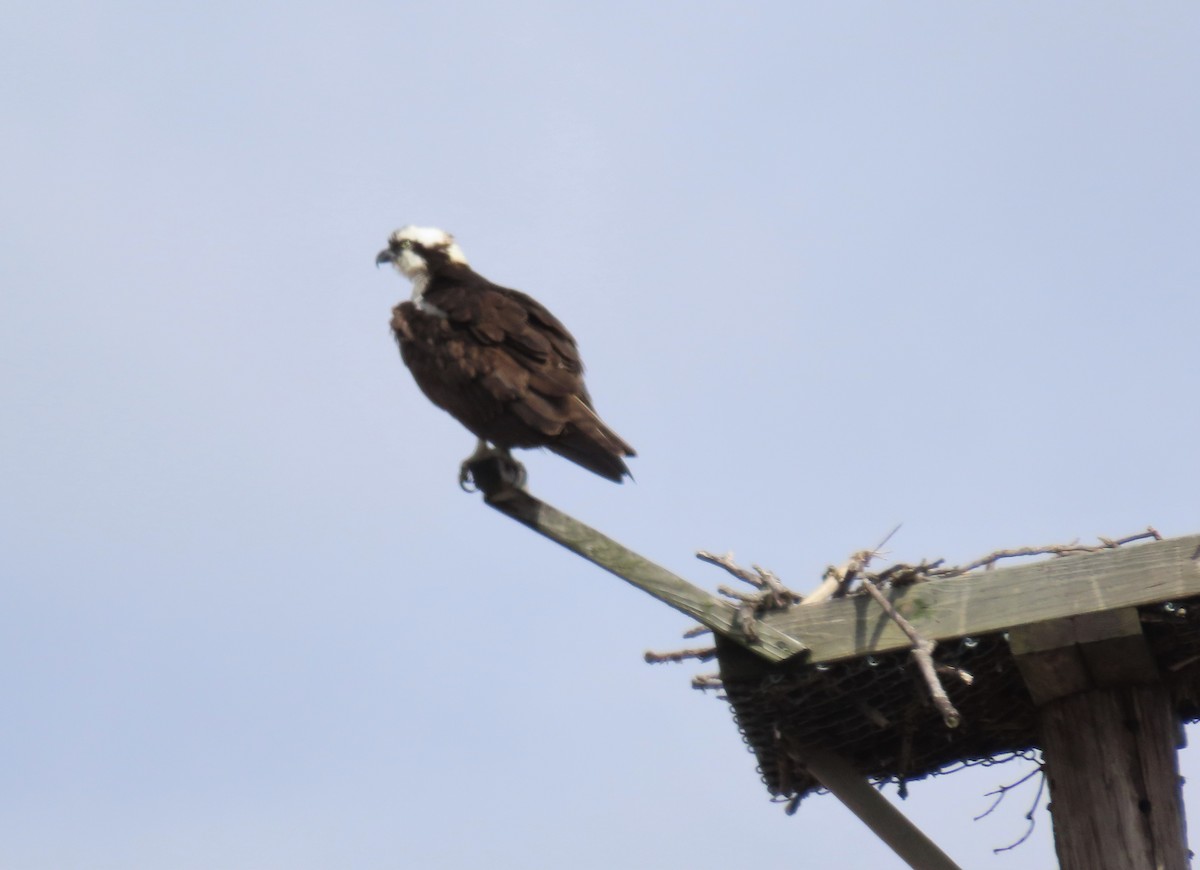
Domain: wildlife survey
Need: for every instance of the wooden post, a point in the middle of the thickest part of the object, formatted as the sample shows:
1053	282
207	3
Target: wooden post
1108	734
1114	781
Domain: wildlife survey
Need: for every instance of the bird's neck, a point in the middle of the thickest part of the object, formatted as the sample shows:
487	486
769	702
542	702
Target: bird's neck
421	282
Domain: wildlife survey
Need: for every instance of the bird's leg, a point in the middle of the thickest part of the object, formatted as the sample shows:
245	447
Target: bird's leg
464	470
508	473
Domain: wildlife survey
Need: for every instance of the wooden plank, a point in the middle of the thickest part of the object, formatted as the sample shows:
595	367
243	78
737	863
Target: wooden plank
873	809
1054	673
1110	624
990	601
1079	653
1039	637
715	613
1114	649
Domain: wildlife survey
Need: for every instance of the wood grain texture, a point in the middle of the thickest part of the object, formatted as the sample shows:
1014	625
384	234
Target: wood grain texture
1115	792
990	601
1093	651
715	613
874	810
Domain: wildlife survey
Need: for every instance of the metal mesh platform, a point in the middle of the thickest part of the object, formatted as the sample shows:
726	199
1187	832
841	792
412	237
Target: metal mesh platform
875	712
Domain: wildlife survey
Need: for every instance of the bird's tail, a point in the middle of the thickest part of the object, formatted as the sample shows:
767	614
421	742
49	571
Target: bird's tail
587	441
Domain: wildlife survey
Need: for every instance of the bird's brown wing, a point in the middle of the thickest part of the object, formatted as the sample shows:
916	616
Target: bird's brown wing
509	371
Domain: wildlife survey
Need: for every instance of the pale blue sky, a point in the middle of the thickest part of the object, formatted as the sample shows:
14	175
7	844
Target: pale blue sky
832	267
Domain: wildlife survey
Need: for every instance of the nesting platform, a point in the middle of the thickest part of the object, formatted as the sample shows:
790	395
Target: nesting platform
874	710
1096	656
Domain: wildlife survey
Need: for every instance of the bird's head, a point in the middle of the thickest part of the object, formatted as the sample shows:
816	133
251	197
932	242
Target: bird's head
417	252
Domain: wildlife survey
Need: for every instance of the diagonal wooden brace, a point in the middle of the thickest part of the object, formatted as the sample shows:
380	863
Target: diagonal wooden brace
709	610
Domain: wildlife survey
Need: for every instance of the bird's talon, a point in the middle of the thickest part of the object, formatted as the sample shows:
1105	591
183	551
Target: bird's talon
514	473
465	481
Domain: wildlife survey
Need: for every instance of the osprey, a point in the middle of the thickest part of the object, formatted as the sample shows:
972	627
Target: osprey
494	359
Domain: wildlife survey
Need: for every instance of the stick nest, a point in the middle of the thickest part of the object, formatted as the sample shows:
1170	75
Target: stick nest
891	715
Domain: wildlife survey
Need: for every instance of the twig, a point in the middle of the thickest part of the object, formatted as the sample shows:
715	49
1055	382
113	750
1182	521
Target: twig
1005	789
1150	532
872	715
834	581
747	619
1037	798
901	574
922	649
966	676
837	580
922	653
703	655
771	594
732	567
742	597
783	597
704	682
1053	550
765	581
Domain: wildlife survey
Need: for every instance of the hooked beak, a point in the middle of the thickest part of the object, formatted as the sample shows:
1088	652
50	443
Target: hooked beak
385	256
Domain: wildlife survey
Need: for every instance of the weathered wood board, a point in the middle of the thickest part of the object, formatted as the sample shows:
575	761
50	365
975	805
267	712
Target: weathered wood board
988	601
706	608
